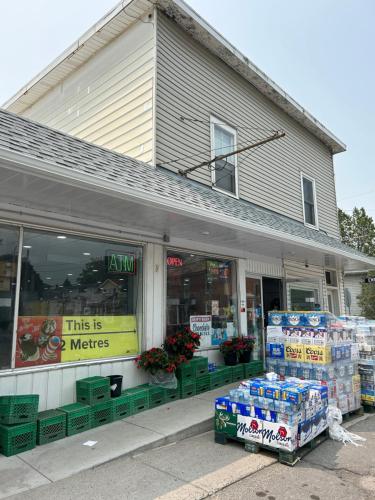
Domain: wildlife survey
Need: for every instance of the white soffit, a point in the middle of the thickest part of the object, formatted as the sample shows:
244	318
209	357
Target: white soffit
125	13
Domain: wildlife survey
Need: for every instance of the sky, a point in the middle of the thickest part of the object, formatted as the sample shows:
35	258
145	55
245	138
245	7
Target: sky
319	51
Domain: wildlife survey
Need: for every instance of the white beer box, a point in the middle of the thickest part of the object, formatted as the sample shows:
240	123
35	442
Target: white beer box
280	436
250	428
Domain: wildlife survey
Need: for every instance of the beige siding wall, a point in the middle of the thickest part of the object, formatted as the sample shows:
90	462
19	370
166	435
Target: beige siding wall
191	82
353	284
108	100
299	276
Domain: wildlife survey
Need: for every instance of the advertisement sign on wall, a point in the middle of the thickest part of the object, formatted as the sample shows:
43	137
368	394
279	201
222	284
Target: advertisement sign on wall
203	326
45	340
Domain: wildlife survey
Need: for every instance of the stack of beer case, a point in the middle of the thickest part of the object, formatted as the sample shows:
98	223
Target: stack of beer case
283	415
364	333
316	346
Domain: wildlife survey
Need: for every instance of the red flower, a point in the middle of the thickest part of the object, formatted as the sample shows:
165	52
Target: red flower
254	425
283	432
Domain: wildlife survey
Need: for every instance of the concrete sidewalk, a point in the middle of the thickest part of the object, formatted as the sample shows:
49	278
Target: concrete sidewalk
153	428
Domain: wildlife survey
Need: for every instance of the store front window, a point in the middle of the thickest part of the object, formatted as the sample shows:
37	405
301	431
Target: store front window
304	299
8	274
79	299
201	294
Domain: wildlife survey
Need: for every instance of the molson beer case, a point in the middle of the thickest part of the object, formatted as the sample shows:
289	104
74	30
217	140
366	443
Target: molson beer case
250	428
295	352
317	354
280	436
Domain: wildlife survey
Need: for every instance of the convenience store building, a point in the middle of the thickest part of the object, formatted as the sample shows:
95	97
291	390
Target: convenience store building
101	256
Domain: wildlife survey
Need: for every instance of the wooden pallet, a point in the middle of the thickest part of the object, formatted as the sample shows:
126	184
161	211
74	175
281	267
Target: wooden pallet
350	415
284	457
368	407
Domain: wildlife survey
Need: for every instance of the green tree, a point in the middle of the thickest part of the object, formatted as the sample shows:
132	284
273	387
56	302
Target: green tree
367	298
358	230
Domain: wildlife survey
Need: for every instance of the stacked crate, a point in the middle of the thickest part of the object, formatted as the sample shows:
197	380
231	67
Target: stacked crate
139	398
18	423
96	392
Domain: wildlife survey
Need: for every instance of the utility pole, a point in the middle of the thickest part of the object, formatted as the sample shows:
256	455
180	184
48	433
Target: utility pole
274	137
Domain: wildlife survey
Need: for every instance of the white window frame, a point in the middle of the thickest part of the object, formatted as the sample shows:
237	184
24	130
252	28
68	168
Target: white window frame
217	121
311	179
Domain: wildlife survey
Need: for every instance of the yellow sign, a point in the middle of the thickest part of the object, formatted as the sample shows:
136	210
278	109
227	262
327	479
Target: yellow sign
294	352
317	354
92	337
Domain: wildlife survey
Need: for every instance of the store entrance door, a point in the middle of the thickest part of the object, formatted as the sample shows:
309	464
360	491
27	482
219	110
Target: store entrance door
272	296
255	315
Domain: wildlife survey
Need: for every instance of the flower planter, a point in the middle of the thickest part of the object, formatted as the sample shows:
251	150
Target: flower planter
245	357
230	359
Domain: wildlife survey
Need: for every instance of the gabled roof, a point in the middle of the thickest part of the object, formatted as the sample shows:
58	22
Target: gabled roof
51	147
124	14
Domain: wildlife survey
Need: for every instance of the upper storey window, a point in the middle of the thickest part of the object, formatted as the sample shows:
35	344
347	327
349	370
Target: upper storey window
309	201
224	172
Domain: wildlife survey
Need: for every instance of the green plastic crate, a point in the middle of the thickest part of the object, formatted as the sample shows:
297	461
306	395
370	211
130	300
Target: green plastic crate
18	409
187	388
238	373
121	407
253	368
15	439
203	383
226	423
51	426
101	413
93	390
185	370
139	399
200	365
156	395
78	418
216	379
226	374
172	394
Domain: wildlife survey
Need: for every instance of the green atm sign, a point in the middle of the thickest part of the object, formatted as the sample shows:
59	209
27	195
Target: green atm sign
121	263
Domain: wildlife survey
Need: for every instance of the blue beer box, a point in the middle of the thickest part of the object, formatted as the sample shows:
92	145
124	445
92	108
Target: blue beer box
276	318
243	409
257	388
222	403
272	391
316	319
320	391
294	319
275	350
293	394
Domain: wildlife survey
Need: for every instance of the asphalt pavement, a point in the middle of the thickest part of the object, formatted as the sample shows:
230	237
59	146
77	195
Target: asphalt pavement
197	468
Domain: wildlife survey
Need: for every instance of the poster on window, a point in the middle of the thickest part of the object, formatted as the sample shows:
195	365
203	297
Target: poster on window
203	326
45	340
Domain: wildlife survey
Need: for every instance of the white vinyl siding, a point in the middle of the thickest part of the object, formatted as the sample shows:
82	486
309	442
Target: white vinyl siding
193	83
353	283
109	99
298	276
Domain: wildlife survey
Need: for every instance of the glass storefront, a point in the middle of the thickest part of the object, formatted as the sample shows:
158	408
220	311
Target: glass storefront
255	314
201	294
79	298
8	272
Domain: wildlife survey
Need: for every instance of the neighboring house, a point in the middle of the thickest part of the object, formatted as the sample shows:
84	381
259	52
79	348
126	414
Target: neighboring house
353	288
218	247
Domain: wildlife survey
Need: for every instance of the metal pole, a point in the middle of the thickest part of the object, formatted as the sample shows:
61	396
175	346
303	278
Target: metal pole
277	135
17	298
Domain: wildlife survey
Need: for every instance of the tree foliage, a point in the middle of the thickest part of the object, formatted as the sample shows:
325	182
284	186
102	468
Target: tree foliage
367	298
358	230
